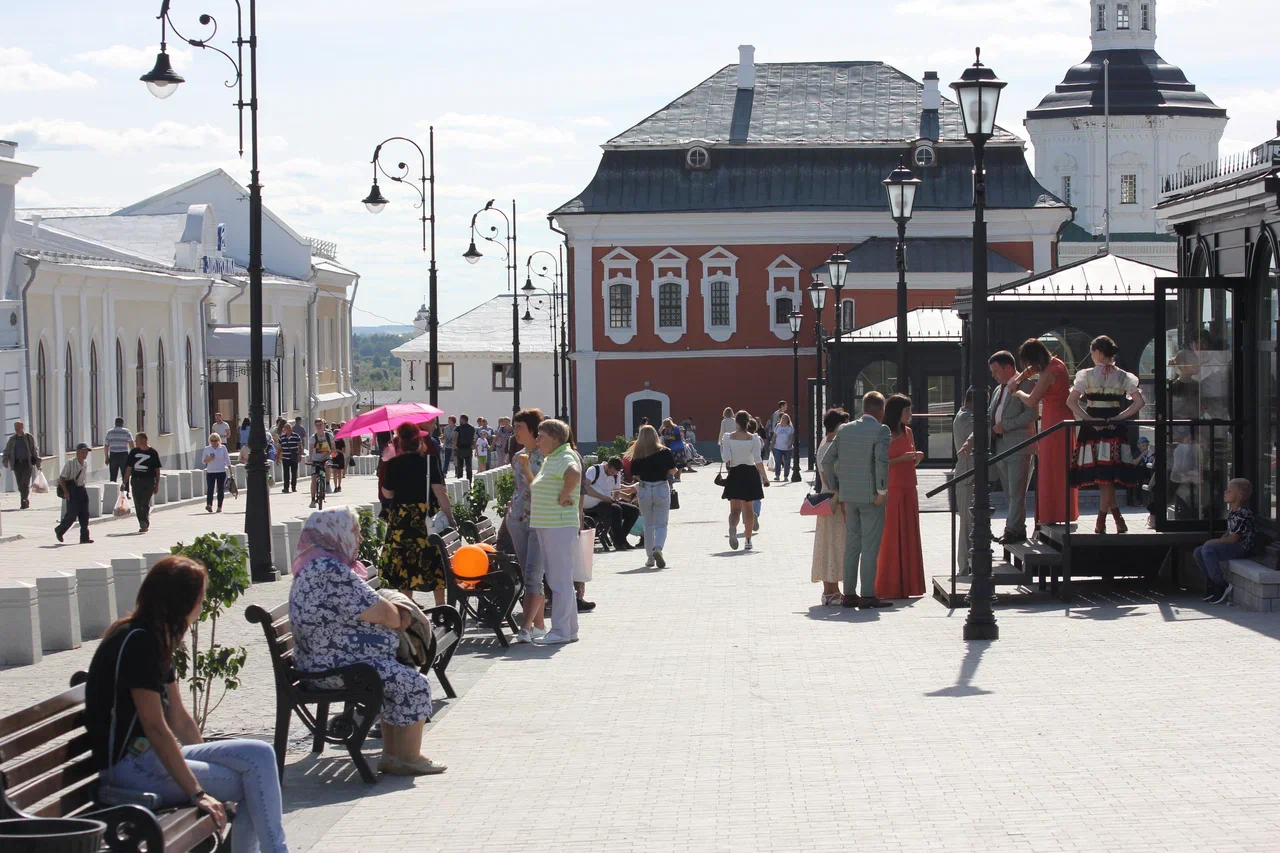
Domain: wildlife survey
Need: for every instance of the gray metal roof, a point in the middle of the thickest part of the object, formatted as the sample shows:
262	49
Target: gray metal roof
925	255
1141	82
487	328
801	178
801	103
1106	277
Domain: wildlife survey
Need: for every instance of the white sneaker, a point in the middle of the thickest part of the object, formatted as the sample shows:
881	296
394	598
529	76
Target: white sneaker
522	636
648	564
657	556
552	639
733	538
747	545
537	633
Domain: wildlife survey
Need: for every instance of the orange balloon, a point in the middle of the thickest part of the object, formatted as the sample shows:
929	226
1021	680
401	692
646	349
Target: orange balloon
470	562
487	547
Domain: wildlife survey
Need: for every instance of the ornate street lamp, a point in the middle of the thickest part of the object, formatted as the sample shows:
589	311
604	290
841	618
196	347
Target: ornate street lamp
837	267
796	319
552	271
978	91
509	252
818	298
162	82
901	188
375	202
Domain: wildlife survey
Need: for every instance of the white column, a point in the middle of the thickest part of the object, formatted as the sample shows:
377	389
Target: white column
97	598
19	624
128	573
60	627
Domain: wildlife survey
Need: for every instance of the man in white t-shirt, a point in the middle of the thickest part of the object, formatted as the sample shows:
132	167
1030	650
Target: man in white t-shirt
320	446
221	427
605	500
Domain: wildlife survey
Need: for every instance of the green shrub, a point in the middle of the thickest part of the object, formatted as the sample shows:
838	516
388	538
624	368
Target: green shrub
619	447
503	492
373	532
471	511
206	669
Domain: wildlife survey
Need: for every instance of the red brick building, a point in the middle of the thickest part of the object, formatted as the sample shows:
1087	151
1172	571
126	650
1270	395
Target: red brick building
697	235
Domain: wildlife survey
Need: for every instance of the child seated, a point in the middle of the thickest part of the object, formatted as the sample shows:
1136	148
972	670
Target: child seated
1212	556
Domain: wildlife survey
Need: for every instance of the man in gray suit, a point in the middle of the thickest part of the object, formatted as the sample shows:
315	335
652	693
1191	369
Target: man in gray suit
1012	423
962	493
856	463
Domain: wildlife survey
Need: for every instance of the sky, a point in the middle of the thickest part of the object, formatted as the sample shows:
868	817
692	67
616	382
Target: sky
521	95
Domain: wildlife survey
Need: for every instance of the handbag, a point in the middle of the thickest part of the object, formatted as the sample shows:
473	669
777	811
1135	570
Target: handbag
720	478
817	504
109	794
675	499
585	556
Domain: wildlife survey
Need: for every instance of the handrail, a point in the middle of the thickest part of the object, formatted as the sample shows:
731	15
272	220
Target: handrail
1068	424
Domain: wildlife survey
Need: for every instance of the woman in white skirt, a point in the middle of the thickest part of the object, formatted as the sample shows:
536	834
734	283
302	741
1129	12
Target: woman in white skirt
745	479
828	534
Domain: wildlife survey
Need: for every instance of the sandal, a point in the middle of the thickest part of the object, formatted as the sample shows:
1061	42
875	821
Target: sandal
832	599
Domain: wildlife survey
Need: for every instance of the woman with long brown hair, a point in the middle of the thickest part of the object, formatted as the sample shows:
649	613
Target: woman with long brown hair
1053	452
654	465
142	736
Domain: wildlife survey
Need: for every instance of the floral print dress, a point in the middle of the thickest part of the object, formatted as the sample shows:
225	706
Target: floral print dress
325	603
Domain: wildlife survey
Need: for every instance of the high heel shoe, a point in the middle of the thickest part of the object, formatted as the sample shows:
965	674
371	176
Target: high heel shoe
1121	527
1101	527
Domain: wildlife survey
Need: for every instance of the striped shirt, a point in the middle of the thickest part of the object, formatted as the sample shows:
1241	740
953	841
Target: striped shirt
544	492
289	447
117	440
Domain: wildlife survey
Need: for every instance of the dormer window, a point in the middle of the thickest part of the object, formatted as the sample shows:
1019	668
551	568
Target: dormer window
1146	17
924	156
697	159
1102	17
1122	16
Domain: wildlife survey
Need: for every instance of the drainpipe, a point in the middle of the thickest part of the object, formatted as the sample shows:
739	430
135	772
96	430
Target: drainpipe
204	355
311	352
33	264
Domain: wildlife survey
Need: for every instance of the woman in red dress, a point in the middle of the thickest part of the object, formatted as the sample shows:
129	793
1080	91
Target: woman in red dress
1053	453
900	569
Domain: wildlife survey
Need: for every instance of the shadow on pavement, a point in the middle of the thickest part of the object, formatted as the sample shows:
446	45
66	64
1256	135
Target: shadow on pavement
968	668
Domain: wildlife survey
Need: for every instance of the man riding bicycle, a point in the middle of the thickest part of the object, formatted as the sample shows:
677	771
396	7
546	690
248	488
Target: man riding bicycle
321	448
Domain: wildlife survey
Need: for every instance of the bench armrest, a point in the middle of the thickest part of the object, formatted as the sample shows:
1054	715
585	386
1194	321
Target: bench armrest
129	828
447	617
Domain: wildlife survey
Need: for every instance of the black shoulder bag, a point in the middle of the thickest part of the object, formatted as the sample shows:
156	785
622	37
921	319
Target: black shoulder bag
108	793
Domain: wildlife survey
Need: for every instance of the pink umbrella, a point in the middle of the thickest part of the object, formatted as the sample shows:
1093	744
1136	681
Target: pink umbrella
387	418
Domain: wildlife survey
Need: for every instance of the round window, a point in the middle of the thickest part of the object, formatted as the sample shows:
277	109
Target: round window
924	156
697	157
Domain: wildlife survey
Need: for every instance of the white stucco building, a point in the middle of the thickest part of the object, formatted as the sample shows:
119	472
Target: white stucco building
476	362
142	313
1159	124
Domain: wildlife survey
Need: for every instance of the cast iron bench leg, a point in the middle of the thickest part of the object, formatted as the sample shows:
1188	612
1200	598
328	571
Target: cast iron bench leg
322	725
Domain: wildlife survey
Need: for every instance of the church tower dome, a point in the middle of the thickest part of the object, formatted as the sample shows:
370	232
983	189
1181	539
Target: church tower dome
422	320
1159	123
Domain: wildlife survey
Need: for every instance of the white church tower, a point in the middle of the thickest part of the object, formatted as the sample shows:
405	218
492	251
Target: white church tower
1159	124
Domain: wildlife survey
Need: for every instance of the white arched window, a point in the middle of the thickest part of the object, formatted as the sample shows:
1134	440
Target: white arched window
190	381
670	290
619	290
119	379
784	295
69	399
295	378
719	294
140	388
162	390
94	408
848	316
42	402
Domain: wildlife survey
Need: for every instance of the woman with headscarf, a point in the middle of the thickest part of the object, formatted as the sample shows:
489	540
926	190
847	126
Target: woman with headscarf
338	620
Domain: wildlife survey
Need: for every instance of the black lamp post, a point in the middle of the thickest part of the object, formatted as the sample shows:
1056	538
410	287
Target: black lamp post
553	273
901	188
162	82
375	202
508	246
796	319
978	91
818	298
837	269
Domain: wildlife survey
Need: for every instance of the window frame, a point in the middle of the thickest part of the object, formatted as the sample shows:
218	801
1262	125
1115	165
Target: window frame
784	283
95	409
162	390
848	314
1066	188
42	401
501	368
670	268
121	391
69	396
1128	189
1122	16
619	267
1101	24
140	389
621	307
720	266
440	372
1145	12
189	379
924	150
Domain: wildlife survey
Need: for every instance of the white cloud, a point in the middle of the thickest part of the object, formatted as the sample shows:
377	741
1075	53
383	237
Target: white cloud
592	121
495	133
65	134
1022	11
1253	114
19	72
121	57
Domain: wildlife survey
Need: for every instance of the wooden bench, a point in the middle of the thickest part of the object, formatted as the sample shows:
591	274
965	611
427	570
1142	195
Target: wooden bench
360	692
48	772
490	599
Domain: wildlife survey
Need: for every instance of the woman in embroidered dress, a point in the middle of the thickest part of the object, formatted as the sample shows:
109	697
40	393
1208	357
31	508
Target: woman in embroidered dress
338	620
1053	384
1104	395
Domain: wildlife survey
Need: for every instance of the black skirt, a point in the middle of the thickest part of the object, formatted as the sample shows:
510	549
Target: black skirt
743	484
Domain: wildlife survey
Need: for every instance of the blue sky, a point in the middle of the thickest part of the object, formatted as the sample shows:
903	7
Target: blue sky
521	93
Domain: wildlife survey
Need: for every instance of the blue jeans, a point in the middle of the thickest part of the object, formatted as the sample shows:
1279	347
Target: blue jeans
241	771
1210	557
655	509
781	463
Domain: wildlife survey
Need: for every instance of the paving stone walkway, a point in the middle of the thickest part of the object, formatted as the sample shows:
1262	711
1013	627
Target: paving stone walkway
716	706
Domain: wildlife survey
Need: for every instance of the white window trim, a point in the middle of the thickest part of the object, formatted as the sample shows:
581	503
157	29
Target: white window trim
669	266
782	269
719	258
619	268
665	400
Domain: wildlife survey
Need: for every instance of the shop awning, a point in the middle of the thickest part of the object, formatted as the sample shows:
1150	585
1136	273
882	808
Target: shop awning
231	343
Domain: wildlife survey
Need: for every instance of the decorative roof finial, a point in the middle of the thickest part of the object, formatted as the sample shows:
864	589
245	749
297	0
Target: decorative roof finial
977	52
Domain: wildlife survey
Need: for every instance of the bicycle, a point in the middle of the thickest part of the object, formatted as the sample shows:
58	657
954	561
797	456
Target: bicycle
319	482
